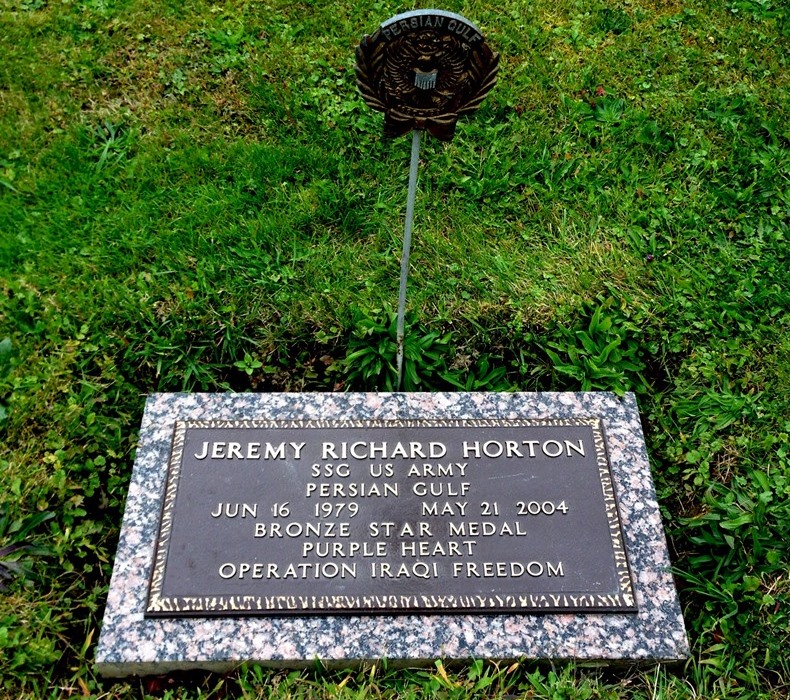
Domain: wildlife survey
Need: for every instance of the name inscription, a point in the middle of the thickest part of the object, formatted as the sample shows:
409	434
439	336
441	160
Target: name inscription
276	517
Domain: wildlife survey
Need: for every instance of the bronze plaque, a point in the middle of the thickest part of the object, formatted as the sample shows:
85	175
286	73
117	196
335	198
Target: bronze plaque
424	69
317	517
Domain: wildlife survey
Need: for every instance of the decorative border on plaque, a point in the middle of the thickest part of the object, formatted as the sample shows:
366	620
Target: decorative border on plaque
160	606
156	603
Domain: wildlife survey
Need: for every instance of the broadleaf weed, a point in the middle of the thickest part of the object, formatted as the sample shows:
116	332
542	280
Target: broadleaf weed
370	360
603	352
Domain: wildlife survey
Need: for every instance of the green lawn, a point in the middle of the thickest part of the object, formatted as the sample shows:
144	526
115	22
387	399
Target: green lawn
195	197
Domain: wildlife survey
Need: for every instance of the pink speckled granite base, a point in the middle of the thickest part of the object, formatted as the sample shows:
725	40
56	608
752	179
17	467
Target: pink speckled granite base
132	645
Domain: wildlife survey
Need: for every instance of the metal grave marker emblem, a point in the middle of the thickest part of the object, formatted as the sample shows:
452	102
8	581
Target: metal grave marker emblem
424	69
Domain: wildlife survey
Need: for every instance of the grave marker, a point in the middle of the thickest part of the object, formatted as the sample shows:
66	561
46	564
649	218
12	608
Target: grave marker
233	480
313	516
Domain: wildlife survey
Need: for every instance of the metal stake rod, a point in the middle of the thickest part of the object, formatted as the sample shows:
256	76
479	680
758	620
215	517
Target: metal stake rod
404	261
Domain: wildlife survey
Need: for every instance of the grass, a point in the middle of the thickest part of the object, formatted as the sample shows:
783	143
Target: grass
194	197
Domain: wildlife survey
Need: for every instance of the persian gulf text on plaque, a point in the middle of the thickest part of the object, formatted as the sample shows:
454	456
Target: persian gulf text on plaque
300	517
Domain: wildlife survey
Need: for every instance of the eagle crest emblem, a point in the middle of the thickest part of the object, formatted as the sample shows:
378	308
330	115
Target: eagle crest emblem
424	69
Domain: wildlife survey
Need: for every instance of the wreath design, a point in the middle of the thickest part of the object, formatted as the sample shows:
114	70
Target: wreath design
425	78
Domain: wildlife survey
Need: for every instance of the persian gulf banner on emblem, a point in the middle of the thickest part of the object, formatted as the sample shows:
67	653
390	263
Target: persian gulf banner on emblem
424	69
